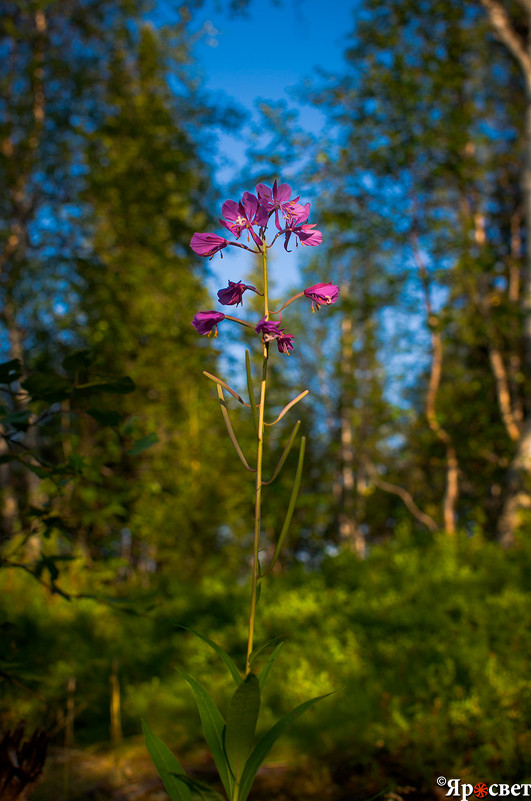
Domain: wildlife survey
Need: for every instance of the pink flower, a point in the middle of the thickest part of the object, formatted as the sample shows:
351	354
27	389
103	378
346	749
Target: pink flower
233	294
322	294
206	322
277	199
297	225
285	344
269	330
207	244
243	215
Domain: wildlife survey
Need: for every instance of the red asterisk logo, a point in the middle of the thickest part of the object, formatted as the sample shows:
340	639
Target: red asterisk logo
481	790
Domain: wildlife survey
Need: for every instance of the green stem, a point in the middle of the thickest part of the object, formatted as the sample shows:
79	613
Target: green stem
258	485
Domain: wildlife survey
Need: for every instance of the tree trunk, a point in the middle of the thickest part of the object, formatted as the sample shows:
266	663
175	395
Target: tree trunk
518	484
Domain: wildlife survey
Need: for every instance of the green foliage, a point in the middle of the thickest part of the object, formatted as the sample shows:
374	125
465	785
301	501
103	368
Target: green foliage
425	645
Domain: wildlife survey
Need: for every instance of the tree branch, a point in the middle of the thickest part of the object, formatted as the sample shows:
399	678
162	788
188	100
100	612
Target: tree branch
402	493
503	27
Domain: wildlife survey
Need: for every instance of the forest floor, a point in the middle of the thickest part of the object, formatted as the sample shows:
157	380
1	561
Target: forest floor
127	774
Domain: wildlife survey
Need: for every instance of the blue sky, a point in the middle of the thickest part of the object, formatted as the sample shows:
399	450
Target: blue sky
265	55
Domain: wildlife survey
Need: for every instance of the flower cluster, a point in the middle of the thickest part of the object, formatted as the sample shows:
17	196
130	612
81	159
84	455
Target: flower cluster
252	214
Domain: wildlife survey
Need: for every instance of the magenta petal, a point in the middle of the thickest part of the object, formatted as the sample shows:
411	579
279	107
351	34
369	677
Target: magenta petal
230	210
264	195
309	237
324	293
206	244
283	193
206	322
250	205
261	216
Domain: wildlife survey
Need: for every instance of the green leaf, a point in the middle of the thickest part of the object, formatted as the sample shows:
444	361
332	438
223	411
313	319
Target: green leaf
213	728
50	386
266	670
291	506
285	453
80	360
265	645
19	420
143	444
264	746
230	429
241	724
122	385
106	417
167	765
228	661
250	390
10	371
200	788
41	472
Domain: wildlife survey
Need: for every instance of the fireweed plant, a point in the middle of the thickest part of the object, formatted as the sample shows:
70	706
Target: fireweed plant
231	740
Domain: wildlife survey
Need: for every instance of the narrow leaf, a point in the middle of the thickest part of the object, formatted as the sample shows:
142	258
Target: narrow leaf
285	453
265	645
250	390
288	407
291	506
200	789
213	728
266	670
225	386
241	724
167	765
228	661
264	746
230	430
143	444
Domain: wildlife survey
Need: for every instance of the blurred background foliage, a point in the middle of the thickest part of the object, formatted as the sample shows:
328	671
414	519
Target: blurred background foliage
405	582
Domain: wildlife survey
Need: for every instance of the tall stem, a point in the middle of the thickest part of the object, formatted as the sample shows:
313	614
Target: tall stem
258	485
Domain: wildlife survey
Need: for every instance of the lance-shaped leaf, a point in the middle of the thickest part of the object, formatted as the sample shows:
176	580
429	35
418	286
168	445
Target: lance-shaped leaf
264	746
291	506
288	407
230	430
265	645
167	765
228	661
241	724
213	728
225	386
200	789
266	670
285	454
250	390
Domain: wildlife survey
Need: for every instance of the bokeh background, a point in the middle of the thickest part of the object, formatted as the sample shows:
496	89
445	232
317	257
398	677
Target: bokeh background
405	583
